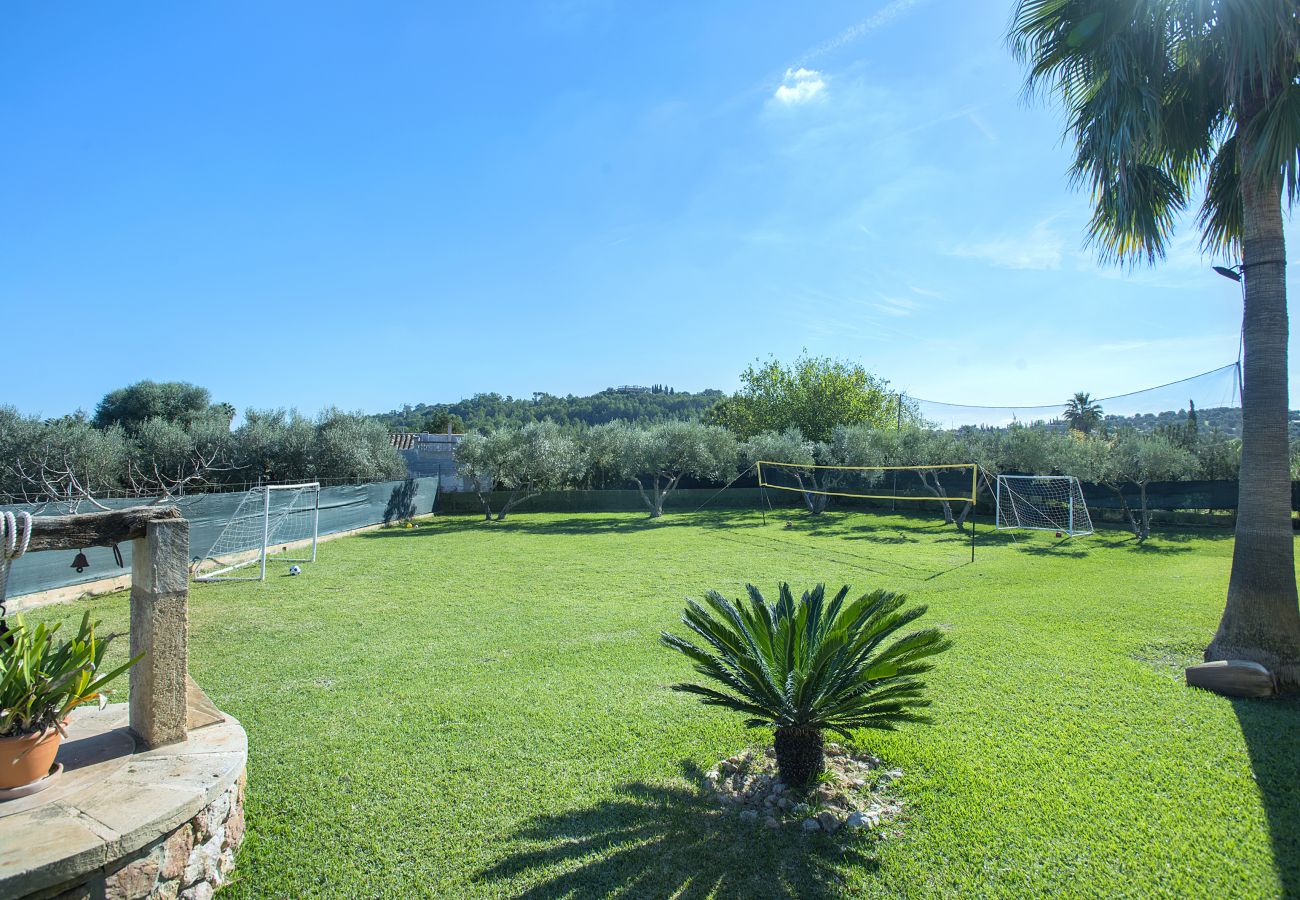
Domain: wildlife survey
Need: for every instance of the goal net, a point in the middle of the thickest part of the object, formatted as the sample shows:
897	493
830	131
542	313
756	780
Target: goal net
280	520
1042	503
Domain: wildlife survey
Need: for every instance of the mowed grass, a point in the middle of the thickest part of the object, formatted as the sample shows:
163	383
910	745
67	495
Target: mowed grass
470	709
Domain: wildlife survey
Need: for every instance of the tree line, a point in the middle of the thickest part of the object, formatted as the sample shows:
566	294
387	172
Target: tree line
820	412
488	411
526	460
165	439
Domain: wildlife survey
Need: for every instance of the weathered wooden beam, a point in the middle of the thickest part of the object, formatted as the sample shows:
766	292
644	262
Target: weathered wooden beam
97	529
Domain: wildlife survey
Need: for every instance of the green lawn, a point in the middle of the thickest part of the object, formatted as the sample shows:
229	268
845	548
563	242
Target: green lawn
468	709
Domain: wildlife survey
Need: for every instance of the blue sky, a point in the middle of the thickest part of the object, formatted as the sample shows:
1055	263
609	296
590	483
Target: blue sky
366	204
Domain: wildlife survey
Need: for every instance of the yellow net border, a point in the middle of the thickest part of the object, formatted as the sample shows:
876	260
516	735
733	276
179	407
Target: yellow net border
974	481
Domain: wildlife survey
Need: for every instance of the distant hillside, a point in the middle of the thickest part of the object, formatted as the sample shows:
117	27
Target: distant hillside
657	404
1226	419
486	411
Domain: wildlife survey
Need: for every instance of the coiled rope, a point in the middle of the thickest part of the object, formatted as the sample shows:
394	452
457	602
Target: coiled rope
15	536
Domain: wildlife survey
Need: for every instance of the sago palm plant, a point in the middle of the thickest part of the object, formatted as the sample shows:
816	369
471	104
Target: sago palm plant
808	666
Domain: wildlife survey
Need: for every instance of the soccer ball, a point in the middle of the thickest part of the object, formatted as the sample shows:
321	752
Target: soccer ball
1058	534
294	570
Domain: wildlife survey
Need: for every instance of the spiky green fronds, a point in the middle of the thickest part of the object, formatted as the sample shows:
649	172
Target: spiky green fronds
812	662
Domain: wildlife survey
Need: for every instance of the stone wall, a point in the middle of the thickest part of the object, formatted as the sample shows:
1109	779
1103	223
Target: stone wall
188	864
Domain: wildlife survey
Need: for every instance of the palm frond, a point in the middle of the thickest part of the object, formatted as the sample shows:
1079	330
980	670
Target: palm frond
1221	211
1156	93
1275	141
812	663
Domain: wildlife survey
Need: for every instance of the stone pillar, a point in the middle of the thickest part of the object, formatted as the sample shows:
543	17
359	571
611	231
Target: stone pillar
160	629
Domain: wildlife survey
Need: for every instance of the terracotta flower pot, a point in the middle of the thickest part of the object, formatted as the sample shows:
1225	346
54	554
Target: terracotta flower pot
28	757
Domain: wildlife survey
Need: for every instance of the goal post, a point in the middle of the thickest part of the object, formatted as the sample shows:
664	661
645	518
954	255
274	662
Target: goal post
283	516
1042	503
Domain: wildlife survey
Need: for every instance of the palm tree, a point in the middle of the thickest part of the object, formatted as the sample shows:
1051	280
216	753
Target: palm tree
1164	95
809	666
1082	413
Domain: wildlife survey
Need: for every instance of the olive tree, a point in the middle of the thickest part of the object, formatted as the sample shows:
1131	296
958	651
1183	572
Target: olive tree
1130	458
1143	458
275	445
355	446
172	401
64	461
657	458
525	461
167	459
798	457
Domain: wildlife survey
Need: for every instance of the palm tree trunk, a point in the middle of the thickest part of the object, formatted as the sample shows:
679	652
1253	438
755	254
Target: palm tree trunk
800	755
1261	621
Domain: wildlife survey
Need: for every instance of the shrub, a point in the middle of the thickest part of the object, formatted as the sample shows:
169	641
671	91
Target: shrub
42	681
810	666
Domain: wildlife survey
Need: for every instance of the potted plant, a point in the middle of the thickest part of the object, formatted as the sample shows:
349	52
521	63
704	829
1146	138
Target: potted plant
41	681
801	667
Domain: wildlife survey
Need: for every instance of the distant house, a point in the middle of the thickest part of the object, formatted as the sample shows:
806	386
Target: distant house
432	454
632	389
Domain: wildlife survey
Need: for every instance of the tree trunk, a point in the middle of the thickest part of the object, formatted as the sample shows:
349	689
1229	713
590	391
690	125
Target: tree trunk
514	500
654	498
487	507
819	500
1128	510
938	491
645	498
816	502
660	496
1261	619
800	756
1146	513
807	497
961	518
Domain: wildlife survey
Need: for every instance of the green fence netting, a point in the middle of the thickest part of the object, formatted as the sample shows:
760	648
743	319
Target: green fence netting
342	508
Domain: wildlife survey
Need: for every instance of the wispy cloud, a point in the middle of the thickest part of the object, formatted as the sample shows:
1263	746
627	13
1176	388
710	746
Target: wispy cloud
1040	248
982	126
855	32
882	17
800	86
899	307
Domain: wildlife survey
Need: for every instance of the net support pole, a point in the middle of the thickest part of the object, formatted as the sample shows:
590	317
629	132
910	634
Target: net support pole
266	526
997	503
893	504
315	523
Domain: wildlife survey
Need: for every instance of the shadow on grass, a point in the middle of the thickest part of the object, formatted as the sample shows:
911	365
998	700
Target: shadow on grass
624	522
1272	732
656	840
1060	550
883	567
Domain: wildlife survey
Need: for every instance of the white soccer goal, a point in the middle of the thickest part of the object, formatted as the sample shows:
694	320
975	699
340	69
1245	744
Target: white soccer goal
1042	503
277	519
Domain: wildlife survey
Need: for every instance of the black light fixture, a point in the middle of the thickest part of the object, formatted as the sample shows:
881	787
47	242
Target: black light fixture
1233	272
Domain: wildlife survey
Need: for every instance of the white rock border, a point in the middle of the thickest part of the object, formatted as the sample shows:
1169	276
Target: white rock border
857	792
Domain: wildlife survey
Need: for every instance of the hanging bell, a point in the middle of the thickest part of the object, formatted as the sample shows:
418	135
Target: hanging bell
81	563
